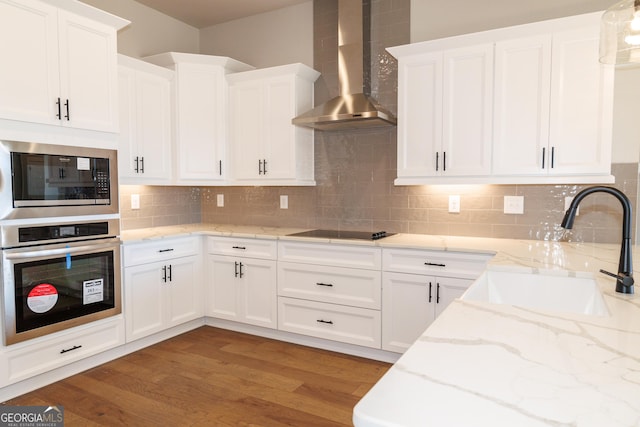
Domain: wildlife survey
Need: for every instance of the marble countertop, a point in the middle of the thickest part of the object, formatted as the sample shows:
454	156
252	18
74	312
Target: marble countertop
482	364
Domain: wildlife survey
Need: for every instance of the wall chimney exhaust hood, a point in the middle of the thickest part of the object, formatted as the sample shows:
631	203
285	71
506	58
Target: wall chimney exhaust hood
354	108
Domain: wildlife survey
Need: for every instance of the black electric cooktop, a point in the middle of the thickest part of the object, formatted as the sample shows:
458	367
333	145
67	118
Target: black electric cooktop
344	234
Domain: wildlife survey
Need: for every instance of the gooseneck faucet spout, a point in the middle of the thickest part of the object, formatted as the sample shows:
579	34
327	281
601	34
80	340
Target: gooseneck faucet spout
624	278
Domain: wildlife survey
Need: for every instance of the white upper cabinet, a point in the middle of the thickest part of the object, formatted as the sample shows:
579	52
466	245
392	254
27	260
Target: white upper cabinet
200	115
553	111
444	113
266	148
524	104
144	150
63	64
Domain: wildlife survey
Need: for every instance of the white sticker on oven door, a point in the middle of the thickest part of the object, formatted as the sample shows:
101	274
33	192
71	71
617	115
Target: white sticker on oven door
92	291
42	298
83	164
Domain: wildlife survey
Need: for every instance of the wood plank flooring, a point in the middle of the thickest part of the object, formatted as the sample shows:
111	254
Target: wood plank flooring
215	377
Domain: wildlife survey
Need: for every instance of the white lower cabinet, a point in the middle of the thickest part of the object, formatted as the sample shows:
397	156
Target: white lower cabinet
242	280
417	286
28	359
164	292
330	291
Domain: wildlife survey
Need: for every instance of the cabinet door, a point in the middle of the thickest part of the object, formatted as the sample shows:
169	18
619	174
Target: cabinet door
153	123
127	140
184	290
200	125
246	110
521	106
88	73
447	290
406	309
259	303
145	301
581	104
419	114
467	111
278	149
29	81
223	288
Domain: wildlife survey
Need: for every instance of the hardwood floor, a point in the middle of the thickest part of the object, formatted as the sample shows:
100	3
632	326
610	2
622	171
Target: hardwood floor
215	377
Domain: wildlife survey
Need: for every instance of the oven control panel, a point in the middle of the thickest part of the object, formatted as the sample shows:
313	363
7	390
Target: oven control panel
58	232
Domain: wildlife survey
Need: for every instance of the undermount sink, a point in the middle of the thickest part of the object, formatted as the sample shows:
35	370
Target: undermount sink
539	292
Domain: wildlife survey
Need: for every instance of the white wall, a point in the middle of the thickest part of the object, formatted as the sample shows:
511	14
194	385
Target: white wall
279	37
150	31
443	18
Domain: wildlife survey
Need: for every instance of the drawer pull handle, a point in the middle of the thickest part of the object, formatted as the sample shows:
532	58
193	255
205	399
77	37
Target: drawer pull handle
435	264
66	350
165	250
329	285
328	322
239	247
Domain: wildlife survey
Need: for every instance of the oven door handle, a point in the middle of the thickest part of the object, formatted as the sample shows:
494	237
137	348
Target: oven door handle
60	251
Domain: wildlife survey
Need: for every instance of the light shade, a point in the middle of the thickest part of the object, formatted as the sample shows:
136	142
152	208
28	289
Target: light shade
620	34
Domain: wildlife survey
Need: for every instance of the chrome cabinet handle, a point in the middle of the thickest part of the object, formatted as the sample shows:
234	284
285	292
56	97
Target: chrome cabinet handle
60	251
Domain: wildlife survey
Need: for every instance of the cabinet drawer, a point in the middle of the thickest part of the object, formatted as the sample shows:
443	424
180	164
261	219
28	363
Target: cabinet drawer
339	285
250	248
160	250
439	263
351	325
338	255
28	359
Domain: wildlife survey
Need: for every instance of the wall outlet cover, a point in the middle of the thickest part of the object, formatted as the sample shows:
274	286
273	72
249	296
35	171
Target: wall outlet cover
514	205
284	202
135	201
454	204
220	200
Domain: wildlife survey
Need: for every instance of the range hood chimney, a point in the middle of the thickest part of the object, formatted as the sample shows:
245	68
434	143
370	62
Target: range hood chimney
354	108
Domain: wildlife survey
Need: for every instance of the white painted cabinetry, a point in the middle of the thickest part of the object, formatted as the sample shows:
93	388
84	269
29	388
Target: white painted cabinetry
200	115
330	291
144	150
30	358
553	110
266	148
445	113
63	64
163	285
524	104
417	286
241	280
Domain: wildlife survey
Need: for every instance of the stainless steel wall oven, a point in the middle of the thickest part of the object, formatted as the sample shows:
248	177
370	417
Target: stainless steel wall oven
57	276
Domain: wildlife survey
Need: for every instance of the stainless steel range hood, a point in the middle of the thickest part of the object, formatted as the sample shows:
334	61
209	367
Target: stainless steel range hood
354	108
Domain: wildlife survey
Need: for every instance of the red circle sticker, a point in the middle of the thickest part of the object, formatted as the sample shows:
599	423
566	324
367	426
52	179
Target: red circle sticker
42	298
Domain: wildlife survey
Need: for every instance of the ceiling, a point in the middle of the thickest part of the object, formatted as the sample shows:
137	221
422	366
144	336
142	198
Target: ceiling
204	13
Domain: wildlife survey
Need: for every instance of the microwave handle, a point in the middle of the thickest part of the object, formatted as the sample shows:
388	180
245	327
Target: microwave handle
59	251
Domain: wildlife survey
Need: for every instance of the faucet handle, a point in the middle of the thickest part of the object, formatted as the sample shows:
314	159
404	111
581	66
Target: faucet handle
624	282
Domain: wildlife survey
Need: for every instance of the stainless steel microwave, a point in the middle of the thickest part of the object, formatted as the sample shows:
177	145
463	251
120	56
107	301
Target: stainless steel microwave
45	180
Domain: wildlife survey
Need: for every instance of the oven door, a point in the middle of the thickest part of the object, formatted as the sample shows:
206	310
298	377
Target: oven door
49	288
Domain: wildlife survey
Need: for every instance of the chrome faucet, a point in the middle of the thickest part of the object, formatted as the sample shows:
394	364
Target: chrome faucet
624	278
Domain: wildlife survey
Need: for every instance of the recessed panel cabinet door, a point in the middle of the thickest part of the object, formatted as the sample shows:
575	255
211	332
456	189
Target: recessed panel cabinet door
419	114
29	79
467	108
145	300
581	104
279	146
521	106
224	292
246	111
259	302
88	73
185	291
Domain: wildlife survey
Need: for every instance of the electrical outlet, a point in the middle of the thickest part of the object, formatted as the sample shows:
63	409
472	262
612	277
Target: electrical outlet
514	205
454	204
135	201
220	200
284	202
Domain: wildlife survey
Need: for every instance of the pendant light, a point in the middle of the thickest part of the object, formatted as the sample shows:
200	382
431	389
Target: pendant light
620	34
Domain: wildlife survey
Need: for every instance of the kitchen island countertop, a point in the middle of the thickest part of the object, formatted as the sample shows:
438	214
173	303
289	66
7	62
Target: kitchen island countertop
482	364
